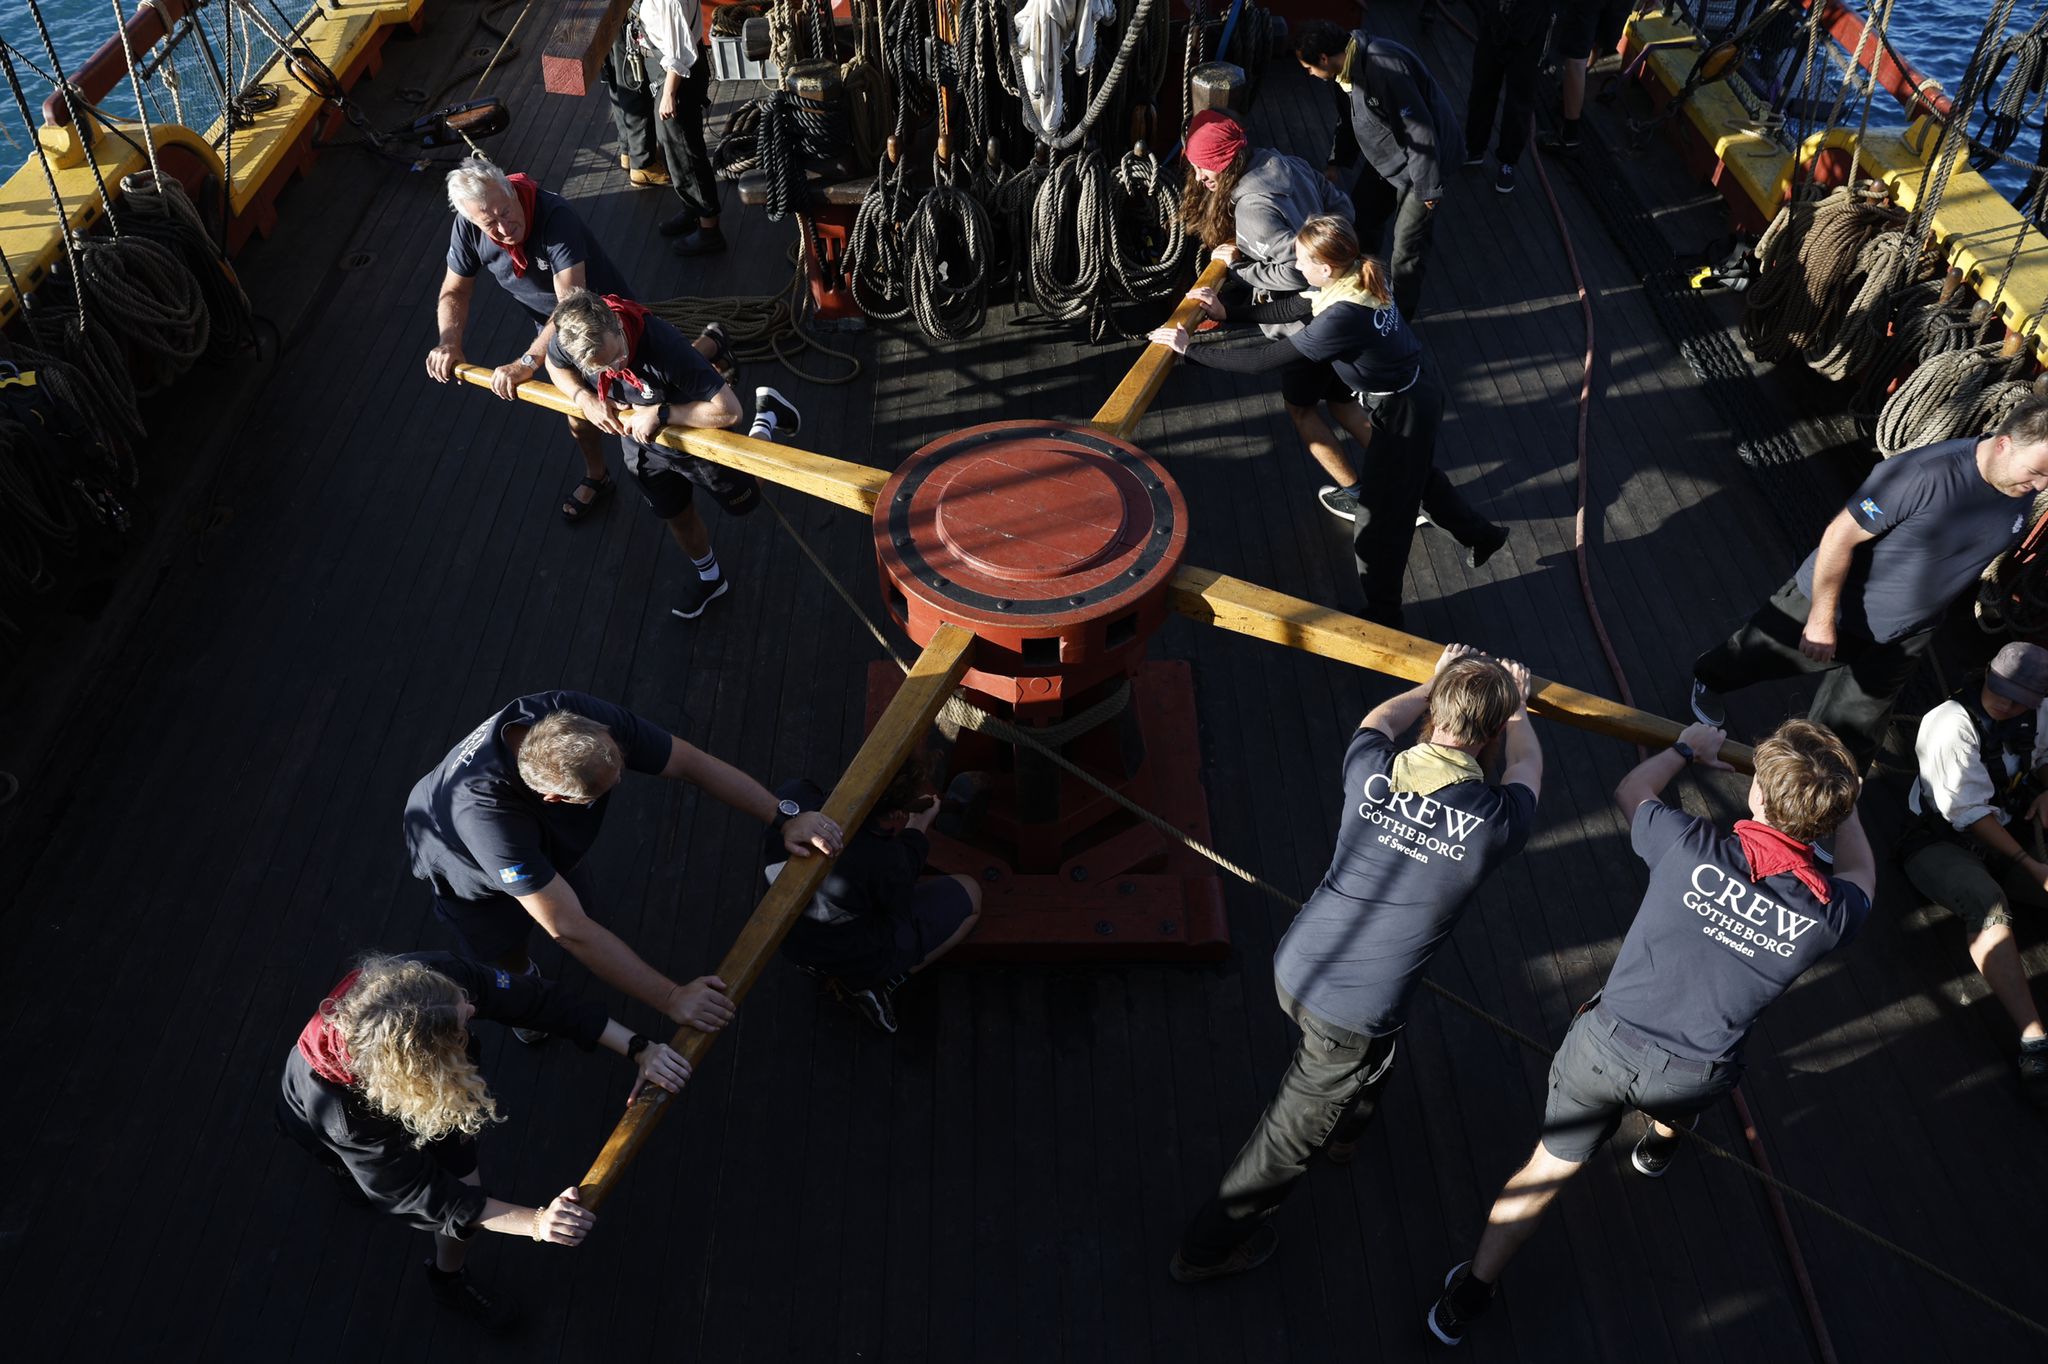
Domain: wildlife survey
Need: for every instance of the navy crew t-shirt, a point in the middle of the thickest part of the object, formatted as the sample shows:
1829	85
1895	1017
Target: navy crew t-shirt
1938	523
1371	349
1404	867
665	369
1710	949
477	831
555	240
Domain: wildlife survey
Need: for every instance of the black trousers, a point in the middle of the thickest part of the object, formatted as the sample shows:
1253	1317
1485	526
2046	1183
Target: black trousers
1504	62
1378	205
1863	678
1329	1093
1400	476
682	139
632	102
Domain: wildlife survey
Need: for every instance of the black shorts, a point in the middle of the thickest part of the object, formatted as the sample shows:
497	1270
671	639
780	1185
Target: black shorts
873	950
1304	383
668	480
1605	1069
1589	27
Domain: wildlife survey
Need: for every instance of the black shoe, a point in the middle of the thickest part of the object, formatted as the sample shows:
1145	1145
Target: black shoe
1477	158
1504	179
704	241
877	1004
698	594
1485	547
1653	1154
1460	1305
1341	503
1707	707
458	1293
1255	1251
678	225
2033	1068
532	1037
722	358
788	421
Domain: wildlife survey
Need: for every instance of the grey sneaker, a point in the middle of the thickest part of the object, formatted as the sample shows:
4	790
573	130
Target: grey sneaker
1255	1251
1707	707
1337	502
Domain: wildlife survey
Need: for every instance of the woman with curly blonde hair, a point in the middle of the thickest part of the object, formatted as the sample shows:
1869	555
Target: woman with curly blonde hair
384	1088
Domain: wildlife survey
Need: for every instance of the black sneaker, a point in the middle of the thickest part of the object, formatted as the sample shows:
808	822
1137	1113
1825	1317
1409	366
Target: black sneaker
1477	158
1422	521
1707	707
2033	1067
698	594
1255	1251
722	358
458	1293
705	241
1338	502
877	1005
1460	1305
532	1037
1504	179
1485	547
677	225
1653	1153
788	421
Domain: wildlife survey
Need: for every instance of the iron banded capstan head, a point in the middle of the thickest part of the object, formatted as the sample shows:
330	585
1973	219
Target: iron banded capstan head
1053	542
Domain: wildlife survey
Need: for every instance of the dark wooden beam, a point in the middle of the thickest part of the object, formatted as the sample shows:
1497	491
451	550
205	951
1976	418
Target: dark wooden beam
577	42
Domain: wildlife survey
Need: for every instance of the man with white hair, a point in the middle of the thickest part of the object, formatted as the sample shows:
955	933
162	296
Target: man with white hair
631	374
537	248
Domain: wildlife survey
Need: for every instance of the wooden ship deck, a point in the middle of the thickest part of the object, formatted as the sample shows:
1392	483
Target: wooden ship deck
217	830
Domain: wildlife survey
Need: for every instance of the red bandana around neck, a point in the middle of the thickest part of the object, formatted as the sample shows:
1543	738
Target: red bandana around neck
1771	852
528	191
320	1043
633	321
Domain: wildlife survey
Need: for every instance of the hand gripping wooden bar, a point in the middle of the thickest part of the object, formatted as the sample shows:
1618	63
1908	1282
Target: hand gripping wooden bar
903	726
1207	596
1126	407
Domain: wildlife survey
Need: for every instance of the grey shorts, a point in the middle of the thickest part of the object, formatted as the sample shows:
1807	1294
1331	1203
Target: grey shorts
1605	1069
1955	878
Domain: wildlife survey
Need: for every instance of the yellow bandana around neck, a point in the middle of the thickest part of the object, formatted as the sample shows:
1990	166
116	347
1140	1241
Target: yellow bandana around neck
1344	71
1345	288
1428	768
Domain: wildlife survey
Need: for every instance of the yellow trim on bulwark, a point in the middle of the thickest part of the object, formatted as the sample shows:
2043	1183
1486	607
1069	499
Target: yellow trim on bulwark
29	231
1974	224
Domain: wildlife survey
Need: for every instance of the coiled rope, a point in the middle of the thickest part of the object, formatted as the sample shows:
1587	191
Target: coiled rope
949	240
1079	265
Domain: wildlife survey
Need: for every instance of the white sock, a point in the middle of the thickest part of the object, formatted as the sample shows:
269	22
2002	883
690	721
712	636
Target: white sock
707	567
764	425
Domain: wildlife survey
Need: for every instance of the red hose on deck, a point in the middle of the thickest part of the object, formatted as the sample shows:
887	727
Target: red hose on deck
1583	559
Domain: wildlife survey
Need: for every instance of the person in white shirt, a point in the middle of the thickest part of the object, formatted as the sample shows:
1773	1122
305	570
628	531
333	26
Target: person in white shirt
1982	756
675	32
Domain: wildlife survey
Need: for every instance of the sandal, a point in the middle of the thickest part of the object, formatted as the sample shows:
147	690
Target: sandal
574	509
721	357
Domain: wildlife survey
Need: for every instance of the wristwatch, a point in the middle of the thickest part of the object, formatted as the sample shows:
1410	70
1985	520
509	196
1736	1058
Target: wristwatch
663	414
785	811
1684	750
639	1044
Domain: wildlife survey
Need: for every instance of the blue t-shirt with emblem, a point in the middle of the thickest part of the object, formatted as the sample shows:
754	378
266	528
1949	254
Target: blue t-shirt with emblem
555	241
1710	949
1371	348
476	831
1404	868
1937	523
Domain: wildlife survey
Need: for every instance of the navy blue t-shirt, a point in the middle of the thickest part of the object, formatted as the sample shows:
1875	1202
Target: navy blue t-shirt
1404	868
1938	523
1371	349
1710	949
556	239
664	368
477	831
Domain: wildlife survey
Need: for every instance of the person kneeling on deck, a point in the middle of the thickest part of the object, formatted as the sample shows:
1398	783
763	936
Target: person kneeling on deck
1863	607
501	827
1393	111
878	919
537	248
1983	759
1728	923
631	374
1364	360
1420	832
383	1089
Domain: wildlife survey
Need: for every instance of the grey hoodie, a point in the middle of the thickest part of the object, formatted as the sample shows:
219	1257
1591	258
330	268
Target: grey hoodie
1277	194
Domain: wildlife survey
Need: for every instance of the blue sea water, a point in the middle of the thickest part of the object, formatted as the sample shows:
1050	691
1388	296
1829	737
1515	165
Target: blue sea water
1935	35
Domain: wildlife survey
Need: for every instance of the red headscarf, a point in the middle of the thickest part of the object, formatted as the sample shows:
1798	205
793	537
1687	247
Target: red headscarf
1214	140
1771	853
524	186
633	322
320	1042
